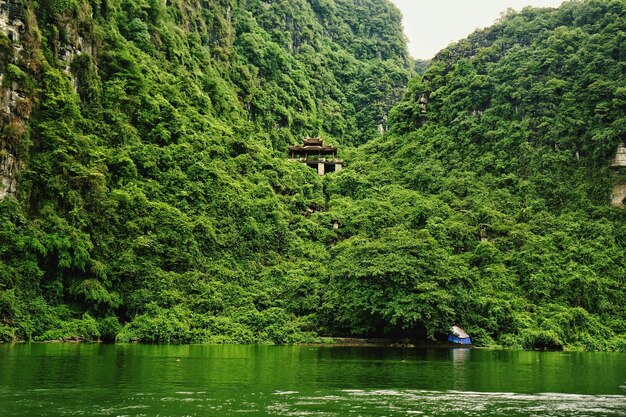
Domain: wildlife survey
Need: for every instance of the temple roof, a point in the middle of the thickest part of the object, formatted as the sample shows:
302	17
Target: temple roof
313	148
313	145
313	141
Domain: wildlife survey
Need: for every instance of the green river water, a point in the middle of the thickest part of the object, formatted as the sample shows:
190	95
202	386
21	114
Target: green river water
139	380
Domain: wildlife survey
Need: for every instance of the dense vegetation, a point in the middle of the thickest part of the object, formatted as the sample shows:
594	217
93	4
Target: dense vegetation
155	203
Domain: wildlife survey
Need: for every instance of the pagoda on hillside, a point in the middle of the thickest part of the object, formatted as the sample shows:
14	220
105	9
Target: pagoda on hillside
618	163
316	155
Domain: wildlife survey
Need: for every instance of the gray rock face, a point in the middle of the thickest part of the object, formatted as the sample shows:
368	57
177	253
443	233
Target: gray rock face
12	19
8	182
12	108
75	46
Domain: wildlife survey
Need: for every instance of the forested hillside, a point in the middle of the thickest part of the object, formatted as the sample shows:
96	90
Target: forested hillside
146	195
490	202
146	191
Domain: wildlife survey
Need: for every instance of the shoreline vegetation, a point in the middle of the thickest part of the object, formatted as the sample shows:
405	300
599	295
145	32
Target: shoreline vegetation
146	193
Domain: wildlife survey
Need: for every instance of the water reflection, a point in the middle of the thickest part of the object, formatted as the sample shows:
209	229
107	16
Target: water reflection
134	380
460	357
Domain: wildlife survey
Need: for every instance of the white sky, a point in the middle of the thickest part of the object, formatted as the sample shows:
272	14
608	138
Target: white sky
431	25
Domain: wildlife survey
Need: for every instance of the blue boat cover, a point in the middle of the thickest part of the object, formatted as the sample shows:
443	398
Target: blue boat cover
460	340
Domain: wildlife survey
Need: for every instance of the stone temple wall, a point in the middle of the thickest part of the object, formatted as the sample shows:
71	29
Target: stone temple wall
618	196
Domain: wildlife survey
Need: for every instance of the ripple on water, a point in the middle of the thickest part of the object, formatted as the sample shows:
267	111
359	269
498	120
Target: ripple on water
447	403
334	403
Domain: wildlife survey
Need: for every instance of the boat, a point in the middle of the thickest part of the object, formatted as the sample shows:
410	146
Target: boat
458	336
